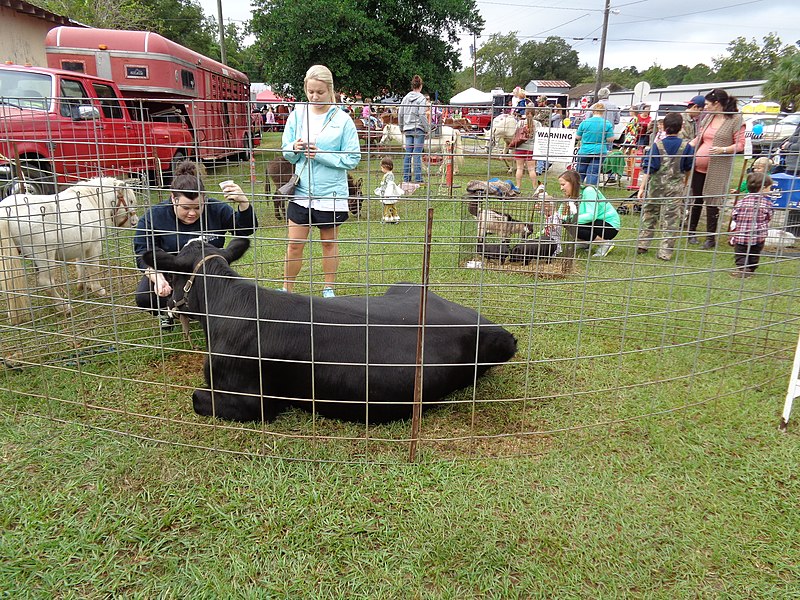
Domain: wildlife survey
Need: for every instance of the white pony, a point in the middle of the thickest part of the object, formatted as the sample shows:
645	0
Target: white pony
434	144
69	226
501	132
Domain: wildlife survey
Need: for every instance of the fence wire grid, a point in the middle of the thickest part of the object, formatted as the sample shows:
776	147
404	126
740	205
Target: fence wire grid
601	340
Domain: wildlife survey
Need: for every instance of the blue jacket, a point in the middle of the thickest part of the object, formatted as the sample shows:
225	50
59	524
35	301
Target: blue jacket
594	134
323	180
160	228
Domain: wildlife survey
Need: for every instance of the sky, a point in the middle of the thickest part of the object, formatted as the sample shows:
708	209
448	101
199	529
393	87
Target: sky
641	33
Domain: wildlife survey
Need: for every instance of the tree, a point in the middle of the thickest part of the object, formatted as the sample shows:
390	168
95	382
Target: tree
551	59
747	60
784	82
700	73
494	61
369	45
656	77
105	14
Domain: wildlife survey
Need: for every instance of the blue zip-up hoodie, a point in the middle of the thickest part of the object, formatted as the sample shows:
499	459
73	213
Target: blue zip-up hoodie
323	180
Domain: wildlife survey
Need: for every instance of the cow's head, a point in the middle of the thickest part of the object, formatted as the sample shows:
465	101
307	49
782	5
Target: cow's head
180	270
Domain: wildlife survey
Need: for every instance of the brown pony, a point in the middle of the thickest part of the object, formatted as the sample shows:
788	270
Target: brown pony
280	170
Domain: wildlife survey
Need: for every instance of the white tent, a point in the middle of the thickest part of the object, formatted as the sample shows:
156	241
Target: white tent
472	97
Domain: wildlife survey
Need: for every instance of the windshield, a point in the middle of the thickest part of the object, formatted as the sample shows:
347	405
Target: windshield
791	120
25	90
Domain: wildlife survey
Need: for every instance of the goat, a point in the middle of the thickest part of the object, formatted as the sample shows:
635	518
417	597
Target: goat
501	224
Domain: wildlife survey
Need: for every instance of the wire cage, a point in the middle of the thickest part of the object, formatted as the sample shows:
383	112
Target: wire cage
600	340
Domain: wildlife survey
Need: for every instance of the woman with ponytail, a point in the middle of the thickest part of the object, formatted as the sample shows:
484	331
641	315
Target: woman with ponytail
721	137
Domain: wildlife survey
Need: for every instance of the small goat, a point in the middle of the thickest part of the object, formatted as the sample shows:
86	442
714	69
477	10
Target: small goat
501	224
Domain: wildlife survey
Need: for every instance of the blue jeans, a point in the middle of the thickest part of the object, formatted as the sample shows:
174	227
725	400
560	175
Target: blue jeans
589	168
415	140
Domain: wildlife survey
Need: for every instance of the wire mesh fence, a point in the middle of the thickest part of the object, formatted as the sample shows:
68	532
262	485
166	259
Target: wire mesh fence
600	339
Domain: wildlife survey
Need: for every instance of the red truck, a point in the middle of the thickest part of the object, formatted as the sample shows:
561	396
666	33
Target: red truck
58	127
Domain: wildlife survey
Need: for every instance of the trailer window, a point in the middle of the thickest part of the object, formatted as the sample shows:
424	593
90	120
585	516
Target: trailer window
73	65
187	79
112	109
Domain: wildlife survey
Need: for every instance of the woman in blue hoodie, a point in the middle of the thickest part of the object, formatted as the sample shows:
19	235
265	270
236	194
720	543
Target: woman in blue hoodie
321	141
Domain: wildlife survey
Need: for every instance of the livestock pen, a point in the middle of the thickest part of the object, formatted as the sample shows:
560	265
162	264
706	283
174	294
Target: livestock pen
603	342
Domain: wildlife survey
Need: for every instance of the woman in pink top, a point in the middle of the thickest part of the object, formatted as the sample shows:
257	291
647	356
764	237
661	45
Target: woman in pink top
721	137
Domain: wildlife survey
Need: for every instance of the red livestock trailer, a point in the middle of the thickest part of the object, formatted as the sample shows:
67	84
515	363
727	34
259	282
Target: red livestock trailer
166	79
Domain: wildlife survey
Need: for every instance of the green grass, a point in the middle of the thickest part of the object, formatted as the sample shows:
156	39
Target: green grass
630	449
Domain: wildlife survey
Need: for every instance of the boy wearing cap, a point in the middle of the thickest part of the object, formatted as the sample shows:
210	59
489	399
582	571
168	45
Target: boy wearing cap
691	117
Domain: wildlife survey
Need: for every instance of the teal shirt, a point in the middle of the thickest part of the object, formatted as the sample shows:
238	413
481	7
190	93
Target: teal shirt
593	206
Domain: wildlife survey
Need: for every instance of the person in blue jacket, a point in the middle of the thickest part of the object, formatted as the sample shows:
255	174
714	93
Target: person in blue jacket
595	135
187	214
321	141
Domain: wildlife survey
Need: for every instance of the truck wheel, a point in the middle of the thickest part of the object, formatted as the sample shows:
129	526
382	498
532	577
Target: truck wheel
38	177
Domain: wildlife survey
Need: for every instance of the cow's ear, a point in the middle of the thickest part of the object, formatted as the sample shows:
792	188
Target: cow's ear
235	249
164	261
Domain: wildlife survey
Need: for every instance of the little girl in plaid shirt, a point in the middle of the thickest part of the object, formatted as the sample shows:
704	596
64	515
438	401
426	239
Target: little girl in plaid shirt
750	223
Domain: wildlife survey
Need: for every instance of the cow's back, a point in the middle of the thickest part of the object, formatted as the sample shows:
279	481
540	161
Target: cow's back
361	349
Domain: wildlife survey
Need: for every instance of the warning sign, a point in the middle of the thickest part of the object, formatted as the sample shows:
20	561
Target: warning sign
554	144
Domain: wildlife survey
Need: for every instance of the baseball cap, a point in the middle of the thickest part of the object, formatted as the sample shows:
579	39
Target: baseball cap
698	101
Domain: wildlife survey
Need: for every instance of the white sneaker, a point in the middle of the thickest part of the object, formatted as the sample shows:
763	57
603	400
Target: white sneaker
604	249
327	292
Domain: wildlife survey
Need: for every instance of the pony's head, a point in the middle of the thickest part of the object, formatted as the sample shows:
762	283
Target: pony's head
113	194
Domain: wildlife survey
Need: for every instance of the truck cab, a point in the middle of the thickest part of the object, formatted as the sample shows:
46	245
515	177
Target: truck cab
60	127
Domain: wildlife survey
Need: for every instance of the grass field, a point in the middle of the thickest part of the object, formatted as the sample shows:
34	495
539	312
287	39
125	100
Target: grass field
630	449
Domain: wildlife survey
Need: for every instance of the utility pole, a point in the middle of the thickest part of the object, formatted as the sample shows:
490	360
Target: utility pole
222	57
598	81
474	61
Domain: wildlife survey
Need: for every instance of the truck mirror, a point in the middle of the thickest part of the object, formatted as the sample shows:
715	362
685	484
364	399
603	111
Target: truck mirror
87	112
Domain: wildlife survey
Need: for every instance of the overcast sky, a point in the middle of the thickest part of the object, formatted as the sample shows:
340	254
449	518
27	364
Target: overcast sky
640	32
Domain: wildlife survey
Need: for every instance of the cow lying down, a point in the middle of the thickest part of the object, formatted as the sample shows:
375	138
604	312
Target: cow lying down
264	353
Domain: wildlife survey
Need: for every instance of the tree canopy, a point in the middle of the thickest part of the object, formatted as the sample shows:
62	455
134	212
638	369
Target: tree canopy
373	47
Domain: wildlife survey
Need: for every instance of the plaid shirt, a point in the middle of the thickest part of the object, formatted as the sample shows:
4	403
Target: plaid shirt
751	215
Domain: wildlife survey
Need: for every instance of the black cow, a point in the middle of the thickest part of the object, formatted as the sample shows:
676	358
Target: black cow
355	361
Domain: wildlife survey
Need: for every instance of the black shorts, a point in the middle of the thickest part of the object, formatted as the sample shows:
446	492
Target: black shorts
323	219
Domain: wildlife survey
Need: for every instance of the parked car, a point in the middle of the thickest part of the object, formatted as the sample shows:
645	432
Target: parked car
774	135
756	126
481	119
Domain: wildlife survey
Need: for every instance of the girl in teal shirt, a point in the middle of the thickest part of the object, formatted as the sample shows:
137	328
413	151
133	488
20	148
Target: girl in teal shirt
597	219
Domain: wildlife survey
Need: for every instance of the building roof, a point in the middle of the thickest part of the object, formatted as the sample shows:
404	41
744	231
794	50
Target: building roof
544	83
34	11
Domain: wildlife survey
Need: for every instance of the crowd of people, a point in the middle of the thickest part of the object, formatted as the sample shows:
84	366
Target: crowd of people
686	166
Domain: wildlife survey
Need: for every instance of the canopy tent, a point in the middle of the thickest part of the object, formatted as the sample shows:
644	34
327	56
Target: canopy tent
472	97
269	96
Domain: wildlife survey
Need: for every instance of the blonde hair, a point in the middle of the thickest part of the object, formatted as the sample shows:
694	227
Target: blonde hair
598	107
763	162
323	74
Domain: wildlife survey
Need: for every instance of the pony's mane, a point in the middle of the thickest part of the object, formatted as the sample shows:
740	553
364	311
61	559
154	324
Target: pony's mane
104	182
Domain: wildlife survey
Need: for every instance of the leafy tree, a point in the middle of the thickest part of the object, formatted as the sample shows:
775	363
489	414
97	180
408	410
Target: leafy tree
747	60
551	59
627	77
784	82
495	61
656	77
184	22
676	74
369	45
105	14
700	73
